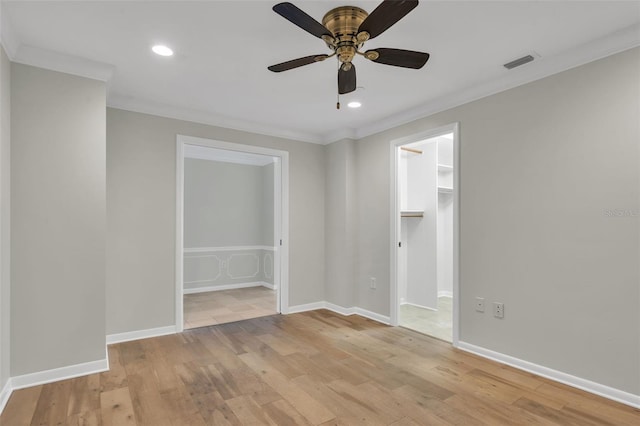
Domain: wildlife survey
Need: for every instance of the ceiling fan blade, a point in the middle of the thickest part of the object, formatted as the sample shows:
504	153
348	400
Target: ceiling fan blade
347	80
385	15
295	63
296	16
398	57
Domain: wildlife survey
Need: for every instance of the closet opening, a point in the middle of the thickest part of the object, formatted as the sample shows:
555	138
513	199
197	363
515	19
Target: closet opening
425	233
231	238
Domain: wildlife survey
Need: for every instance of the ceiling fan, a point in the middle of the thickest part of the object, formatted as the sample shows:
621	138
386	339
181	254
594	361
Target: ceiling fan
345	29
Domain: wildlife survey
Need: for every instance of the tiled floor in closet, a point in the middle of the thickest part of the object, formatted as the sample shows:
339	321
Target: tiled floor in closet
219	307
434	323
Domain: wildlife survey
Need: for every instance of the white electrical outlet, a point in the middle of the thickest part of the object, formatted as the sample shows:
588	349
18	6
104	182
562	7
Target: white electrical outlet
498	310
480	304
372	283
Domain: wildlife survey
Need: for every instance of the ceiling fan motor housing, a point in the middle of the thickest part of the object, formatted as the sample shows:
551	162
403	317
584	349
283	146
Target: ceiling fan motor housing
343	22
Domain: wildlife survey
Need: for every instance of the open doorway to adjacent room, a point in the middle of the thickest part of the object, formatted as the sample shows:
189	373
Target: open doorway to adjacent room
230	231
425	233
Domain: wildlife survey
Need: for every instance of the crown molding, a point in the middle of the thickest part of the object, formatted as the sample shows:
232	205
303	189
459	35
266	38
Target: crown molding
55	61
616	42
340	134
115	100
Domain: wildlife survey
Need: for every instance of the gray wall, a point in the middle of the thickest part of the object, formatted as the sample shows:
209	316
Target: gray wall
340	226
57	219
5	210
541	166
224	204
141	160
227	205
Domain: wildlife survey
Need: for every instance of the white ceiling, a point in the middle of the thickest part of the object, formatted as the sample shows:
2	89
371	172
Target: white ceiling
219	73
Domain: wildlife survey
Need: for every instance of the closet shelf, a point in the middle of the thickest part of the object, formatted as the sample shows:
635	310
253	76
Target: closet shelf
444	168
445	190
412	213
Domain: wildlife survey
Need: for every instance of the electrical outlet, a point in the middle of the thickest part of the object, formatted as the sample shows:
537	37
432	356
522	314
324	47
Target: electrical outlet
498	310
480	304
372	283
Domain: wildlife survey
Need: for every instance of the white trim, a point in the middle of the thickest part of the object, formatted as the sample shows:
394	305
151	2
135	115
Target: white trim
57	374
445	293
268	285
225	156
5	394
140	334
281	217
55	61
419	306
307	307
372	315
619	41
394	212
558	376
228	248
227	287
540	68
339	310
127	103
179	236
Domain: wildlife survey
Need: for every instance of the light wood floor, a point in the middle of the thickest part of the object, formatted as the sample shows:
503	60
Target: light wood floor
220	307
309	368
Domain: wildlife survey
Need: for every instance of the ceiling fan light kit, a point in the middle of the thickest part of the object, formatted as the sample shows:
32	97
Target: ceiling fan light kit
345	29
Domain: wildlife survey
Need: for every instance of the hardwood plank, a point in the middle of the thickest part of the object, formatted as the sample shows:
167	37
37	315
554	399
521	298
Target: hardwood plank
53	404
346	410
283	413
87	418
116	408
116	377
248	412
555	416
85	395
302	369
21	407
310	408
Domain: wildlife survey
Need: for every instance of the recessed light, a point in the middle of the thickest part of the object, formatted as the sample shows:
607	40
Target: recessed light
354	104
162	50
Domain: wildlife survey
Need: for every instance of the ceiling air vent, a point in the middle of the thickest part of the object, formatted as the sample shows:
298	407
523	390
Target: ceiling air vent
520	61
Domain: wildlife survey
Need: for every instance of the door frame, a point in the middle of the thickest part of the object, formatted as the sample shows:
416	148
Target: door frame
395	220
280	217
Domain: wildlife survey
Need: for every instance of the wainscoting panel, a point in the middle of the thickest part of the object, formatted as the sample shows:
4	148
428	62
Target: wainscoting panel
225	267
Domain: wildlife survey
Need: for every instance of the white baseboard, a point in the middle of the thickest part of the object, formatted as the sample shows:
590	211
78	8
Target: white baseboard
5	393
140	334
419	306
339	310
227	287
57	374
372	315
268	285
558	376
306	307
445	293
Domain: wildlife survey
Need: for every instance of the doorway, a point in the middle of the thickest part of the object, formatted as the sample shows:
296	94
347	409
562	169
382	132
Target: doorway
425	233
231	232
